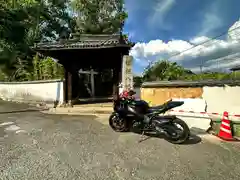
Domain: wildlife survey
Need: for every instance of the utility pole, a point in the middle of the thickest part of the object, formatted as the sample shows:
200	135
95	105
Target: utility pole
201	66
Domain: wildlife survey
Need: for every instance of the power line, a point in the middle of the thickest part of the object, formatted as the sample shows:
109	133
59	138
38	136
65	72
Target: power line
226	56
209	40
227	60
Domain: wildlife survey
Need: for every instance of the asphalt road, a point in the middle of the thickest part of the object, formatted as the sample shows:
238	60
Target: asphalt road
40	147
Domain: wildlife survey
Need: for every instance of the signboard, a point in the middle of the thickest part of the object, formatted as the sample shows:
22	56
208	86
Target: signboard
127	75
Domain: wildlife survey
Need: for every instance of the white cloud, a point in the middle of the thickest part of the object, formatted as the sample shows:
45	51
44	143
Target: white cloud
217	54
160	10
211	19
211	22
163	7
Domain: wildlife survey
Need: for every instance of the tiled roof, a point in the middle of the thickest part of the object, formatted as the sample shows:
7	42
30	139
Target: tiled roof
85	42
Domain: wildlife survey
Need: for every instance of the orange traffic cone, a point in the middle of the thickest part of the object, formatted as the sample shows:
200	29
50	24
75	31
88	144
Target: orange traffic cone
225	131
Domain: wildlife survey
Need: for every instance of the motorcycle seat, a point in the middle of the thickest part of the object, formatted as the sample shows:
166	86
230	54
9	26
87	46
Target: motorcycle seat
153	108
166	106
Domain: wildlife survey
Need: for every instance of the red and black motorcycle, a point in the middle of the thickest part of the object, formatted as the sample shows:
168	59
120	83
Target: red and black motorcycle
129	113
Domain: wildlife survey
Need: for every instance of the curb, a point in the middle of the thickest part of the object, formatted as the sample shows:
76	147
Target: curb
80	112
86	113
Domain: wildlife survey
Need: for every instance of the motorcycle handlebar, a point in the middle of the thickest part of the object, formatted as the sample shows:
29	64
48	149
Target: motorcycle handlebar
170	100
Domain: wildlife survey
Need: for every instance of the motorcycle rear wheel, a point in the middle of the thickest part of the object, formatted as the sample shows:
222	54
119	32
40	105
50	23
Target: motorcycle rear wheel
175	137
118	123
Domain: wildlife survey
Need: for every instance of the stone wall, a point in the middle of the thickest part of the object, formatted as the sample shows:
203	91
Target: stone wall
47	91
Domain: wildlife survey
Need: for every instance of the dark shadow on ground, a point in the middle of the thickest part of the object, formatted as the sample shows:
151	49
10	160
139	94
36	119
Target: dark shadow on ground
2	133
92	101
193	139
18	111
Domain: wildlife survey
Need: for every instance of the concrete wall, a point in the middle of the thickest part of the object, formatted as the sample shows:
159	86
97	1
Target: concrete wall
156	95
32	91
220	99
218	96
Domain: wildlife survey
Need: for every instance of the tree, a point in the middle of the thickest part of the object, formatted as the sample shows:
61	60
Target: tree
99	16
49	20
165	70
34	21
137	80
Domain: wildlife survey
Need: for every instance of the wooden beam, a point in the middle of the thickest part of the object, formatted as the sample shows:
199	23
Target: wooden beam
87	72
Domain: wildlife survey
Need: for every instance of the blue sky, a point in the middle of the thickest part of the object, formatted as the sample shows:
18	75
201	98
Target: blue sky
164	27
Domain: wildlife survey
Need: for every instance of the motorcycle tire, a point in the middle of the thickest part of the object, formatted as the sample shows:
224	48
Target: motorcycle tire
184	137
118	124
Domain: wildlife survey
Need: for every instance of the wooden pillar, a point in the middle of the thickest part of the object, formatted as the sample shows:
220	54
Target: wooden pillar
92	83
120	66
116	80
65	88
115	84
69	87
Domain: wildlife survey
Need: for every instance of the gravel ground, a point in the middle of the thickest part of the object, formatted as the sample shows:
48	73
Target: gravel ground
41	146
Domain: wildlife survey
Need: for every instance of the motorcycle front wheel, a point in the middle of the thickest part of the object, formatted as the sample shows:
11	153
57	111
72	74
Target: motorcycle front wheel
176	131
118	123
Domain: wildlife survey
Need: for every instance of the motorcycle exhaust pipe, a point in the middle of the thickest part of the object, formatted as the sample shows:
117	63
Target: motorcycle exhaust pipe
161	122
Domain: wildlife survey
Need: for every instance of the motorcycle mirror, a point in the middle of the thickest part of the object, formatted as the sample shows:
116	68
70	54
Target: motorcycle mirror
131	92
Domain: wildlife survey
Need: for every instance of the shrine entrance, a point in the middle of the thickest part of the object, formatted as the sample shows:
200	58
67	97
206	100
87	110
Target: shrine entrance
88	79
95	83
92	64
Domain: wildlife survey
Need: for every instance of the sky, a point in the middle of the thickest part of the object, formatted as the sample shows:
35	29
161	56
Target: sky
162	29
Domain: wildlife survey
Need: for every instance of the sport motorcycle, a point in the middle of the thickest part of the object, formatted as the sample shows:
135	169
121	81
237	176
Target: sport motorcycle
130	113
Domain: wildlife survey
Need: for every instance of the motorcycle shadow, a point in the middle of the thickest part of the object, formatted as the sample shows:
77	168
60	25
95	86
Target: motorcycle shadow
193	139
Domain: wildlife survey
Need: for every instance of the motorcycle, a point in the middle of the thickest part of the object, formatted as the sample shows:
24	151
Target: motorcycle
126	116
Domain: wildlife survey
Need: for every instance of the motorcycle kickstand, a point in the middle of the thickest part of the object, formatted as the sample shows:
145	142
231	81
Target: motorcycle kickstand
142	137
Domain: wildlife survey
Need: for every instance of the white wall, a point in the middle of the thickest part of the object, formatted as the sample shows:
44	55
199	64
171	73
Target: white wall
32	91
194	120
214	100
220	99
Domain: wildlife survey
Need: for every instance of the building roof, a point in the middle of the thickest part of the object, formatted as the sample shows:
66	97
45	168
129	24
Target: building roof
236	68
85	41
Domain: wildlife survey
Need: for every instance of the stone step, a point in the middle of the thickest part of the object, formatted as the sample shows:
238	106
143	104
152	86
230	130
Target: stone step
82	110
97	105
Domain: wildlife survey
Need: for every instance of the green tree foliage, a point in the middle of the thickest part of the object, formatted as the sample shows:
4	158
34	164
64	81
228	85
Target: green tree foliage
137	81
165	70
24	22
213	76
99	16
43	69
